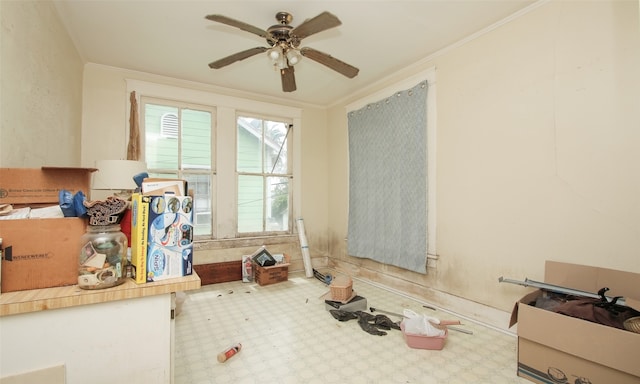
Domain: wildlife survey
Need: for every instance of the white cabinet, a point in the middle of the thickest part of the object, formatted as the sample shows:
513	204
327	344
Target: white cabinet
123	339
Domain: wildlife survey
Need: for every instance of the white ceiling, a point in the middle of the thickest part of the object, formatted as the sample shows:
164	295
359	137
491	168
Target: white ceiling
173	38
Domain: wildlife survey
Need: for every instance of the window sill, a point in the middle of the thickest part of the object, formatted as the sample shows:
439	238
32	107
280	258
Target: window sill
241	242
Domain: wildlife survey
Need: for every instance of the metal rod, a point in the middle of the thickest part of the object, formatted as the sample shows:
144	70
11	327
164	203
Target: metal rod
560	289
459	330
385	312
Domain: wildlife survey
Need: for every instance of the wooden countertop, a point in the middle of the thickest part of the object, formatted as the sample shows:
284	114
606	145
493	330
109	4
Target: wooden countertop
13	303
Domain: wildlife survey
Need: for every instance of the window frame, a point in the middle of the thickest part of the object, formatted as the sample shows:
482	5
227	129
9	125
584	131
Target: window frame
182	172
227	108
289	174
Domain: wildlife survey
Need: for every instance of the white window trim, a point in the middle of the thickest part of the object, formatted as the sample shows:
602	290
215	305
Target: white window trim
429	75
289	172
227	108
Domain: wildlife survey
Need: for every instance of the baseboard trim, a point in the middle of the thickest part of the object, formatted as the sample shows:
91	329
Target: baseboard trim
459	307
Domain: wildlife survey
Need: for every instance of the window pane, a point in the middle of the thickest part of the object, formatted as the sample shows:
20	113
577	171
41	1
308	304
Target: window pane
178	144
202	210
161	150
275	136
249	158
196	139
278	204
250	203
262	150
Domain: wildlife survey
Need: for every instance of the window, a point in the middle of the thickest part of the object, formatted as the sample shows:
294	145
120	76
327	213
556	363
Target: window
178	144
263	168
195	135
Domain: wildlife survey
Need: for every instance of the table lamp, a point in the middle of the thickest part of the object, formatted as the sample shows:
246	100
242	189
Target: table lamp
117	176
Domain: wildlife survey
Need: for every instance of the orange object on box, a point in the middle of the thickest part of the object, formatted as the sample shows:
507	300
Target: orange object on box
40	253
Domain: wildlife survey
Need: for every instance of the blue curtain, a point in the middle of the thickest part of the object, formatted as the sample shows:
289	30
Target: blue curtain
388	180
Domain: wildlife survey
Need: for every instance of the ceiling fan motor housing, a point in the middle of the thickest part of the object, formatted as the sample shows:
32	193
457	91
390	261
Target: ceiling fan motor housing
279	33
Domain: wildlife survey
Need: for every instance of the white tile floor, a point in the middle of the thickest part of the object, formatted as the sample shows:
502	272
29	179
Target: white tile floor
288	336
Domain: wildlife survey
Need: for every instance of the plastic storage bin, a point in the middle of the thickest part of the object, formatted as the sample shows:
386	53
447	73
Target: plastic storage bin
423	341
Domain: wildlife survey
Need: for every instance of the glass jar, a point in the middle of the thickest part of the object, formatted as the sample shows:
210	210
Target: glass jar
103	257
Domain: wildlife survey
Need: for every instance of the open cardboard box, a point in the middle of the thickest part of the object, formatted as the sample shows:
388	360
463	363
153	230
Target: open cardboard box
555	348
273	274
40	253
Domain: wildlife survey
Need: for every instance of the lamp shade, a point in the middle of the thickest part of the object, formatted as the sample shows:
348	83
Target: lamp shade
275	53
293	56
117	174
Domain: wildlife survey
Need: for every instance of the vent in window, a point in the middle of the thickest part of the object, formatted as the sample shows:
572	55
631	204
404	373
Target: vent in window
169	125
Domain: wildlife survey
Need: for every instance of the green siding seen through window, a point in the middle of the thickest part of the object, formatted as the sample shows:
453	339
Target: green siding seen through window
196	139
161	152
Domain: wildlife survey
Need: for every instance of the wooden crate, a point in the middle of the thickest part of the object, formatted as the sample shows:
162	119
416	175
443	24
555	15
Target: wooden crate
219	272
274	274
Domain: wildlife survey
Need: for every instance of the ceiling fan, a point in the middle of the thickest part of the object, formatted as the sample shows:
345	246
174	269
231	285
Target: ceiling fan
284	42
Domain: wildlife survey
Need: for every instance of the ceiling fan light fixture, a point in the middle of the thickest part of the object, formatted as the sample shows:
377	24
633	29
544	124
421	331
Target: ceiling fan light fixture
281	63
293	56
275	53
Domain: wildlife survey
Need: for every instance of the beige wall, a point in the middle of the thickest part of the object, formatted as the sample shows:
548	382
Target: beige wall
537	155
40	88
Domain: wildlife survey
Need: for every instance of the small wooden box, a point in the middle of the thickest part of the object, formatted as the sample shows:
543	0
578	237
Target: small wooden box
273	274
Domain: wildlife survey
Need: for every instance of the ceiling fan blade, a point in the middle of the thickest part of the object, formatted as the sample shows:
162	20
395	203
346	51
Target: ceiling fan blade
330	61
288	79
320	23
236	57
238	24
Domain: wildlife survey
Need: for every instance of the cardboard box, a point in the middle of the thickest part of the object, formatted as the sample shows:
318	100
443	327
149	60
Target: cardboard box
40	253
553	347
273	274
170	239
162	186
